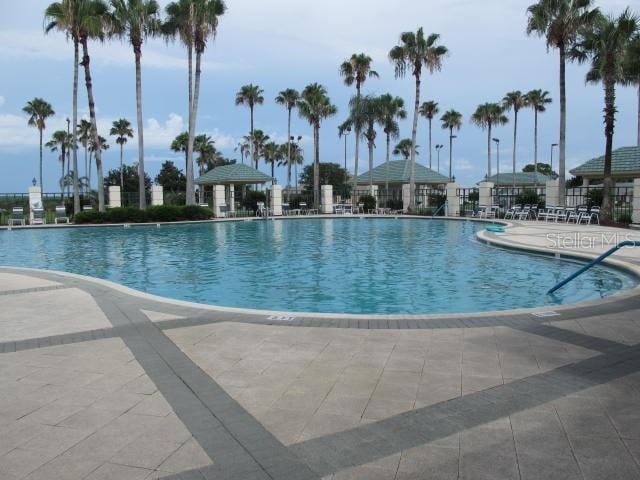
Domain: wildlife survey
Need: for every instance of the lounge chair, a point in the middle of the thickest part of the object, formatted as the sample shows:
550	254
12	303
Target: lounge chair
87	208
584	216
594	215
17	216
38	216
61	215
286	209
304	210
512	212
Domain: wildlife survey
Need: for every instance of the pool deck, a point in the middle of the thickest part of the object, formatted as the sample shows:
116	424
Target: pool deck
100	382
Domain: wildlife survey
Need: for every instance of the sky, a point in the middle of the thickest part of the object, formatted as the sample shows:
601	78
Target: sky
288	44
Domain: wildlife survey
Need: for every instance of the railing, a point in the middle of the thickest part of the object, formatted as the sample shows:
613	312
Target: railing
430	201
507	196
590	196
468	198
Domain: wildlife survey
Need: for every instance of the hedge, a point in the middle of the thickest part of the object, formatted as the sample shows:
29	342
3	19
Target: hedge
165	213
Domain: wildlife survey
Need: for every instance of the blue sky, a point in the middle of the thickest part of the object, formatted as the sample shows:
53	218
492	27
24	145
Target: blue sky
290	43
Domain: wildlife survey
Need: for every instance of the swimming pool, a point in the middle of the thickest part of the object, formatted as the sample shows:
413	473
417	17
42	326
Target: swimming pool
350	265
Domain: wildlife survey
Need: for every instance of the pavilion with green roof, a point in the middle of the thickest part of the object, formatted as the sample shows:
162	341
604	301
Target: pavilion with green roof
233	174
625	165
520	179
398	175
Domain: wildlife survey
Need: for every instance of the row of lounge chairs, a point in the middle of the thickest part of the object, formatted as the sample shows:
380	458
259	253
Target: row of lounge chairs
18	216
580	214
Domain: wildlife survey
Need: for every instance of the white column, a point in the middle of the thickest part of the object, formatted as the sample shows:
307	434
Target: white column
35	200
326	199
485	190
636	201
276	200
157	195
218	200
406	197
374	194
552	193
115	199
232	198
453	201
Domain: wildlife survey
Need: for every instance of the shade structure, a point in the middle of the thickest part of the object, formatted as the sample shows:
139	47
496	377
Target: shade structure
233	174
399	172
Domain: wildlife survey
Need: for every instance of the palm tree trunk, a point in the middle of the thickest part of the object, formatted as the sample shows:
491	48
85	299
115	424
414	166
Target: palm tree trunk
563	127
609	121
189	155
316	165
535	146
515	141
41	154
94	127
191	199
489	152
414	131
356	159
121	170
386	179
86	165
89	171
430	152
62	156
289	151
254	157
370	168
450	155
76	185
137	50
638	112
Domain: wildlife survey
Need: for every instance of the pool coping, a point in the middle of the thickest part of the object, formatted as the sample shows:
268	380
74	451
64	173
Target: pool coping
268	316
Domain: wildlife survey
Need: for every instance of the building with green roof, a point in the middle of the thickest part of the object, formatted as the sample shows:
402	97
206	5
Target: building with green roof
398	174
522	179
625	165
233	174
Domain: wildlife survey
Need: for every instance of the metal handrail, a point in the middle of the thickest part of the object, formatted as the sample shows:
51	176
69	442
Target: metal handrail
439	208
592	263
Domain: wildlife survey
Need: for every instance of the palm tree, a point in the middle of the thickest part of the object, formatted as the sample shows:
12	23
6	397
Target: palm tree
451	120
193	21
632	71
486	117
560	21
297	156
272	154
605	43
538	101
67	16
404	148
244	149
93	146
429	110
205	146
515	101
250	95
356	71
257	141
62	141
84	132
39	110
412	54
137	19
179	144
122	130
391	109
315	105
289	99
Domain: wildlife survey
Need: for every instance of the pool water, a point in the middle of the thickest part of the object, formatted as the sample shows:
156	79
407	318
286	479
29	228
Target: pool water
351	265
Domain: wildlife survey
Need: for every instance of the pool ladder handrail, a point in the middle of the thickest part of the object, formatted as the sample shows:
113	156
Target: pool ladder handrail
594	262
439	208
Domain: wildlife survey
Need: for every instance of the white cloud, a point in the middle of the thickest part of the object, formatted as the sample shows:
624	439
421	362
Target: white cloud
160	134
1	100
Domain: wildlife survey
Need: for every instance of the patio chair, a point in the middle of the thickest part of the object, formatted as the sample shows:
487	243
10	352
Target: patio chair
573	215
583	215
87	208
262	211
524	213
61	215
561	214
338	209
286	209
304	210
17	216
594	215
511	212
38	216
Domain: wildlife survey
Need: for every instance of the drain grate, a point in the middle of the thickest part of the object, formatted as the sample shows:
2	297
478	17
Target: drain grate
550	313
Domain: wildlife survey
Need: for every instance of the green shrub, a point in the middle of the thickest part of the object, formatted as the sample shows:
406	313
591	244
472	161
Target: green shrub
251	199
395	204
528	197
165	213
369	202
594	197
624	217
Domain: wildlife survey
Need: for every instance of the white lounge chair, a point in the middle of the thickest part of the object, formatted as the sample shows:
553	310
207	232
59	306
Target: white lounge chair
61	215
17	216
38	216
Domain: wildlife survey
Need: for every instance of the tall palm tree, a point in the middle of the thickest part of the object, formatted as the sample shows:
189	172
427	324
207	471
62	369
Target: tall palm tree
451	120
391	109
413	54
179	144
356	70
207	153
250	95
605	43
632	71
297	157
429	110
315	106
538	101
258	141
486	117
560	21
60	141
39	110
123	131
272	154
404	147
244	148
136	20
194	22
93	147
515	101
84	132
288	98
67	16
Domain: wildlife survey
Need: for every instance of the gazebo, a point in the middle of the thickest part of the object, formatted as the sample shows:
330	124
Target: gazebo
228	176
397	175
625	166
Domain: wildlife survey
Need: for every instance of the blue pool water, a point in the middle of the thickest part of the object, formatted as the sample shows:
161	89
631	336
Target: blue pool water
314	265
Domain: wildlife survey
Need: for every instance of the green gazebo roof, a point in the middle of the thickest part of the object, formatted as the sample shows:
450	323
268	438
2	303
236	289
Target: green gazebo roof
625	162
522	178
399	173
236	173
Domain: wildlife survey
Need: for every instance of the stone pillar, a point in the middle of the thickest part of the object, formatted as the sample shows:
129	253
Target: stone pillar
35	201
406	197
453	200
636	201
552	193
157	195
276	200
115	199
231	198
326	199
374	194
218	201
485	190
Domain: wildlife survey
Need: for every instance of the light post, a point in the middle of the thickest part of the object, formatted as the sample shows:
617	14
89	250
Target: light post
497	142
451	138
552	147
438	148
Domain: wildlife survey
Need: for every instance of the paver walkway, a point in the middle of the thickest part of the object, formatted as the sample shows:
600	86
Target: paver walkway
96	383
